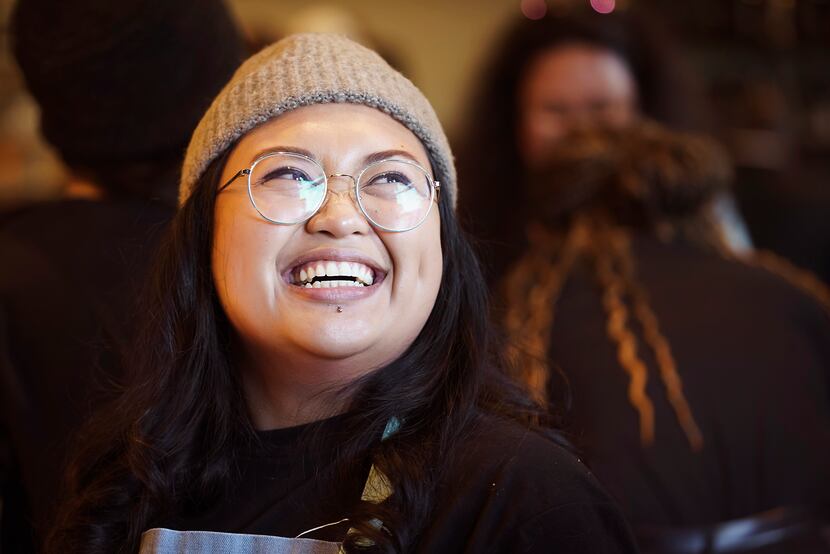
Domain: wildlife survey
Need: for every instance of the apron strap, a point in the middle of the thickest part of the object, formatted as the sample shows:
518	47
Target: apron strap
377	487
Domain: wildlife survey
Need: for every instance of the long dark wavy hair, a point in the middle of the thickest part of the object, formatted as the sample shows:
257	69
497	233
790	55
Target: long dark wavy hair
161	447
494	203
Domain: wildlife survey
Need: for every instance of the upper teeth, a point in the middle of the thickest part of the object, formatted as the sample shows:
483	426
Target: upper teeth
353	274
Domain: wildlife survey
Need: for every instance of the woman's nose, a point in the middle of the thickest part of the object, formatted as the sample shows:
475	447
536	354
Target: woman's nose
339	216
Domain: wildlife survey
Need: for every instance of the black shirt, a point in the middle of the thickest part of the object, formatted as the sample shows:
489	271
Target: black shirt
507	490
753	354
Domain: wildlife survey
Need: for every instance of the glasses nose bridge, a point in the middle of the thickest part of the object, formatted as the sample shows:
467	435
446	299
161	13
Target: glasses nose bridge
348	192
352	177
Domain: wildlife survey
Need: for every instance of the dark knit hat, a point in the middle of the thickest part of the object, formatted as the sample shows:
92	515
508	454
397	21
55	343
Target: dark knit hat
123	80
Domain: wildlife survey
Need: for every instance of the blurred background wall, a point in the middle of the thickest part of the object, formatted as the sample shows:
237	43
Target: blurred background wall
29	170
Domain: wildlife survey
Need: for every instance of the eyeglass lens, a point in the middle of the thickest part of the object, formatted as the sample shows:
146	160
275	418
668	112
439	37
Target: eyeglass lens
393	194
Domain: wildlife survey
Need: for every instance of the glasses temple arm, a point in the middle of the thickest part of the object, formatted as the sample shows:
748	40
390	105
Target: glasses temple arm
234	178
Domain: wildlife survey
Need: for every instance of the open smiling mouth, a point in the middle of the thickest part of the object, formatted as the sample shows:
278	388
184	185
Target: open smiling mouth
331	274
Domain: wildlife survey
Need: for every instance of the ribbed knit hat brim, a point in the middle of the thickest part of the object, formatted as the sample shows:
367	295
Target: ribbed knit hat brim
308	69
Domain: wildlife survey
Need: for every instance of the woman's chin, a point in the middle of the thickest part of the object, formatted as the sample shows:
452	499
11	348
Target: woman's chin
338	340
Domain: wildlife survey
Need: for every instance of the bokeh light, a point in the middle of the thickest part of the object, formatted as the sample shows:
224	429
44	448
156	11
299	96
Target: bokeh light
534	9
603	6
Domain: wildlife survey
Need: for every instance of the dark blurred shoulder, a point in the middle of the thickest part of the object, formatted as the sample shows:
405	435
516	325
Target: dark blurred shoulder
527	460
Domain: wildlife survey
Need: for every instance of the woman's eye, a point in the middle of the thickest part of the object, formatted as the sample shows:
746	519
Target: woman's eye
402	181
289	173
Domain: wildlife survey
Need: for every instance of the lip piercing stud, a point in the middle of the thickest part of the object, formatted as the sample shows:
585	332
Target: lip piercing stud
339	310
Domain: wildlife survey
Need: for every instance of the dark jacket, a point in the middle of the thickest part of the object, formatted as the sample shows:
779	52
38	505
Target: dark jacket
69	278
753	353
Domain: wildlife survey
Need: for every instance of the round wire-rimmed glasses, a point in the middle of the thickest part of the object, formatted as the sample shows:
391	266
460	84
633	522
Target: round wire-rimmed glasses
288	188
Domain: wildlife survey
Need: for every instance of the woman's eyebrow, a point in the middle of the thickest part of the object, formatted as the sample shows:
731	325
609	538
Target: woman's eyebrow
386	154
370	159
289	149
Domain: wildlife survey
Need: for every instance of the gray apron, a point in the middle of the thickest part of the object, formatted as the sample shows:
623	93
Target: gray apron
167	541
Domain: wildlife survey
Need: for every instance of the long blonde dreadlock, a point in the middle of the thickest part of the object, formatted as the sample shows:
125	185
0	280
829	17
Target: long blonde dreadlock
598	186
531	311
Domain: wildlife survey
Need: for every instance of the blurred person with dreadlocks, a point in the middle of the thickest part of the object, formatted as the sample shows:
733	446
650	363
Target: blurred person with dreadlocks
619	267
698	377
569	69
120	87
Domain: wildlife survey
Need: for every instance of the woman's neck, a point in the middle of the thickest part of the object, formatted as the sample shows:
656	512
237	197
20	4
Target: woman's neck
276	406
284	393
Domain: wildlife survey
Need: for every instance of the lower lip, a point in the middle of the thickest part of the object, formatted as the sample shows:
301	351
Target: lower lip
336	294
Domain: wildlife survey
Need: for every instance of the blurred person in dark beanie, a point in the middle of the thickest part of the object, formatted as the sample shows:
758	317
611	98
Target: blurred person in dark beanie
121	86
699	378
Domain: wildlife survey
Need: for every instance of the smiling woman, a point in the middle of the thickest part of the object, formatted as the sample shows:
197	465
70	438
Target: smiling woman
316	328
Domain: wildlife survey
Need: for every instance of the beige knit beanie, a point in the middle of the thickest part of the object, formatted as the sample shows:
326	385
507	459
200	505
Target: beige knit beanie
307	69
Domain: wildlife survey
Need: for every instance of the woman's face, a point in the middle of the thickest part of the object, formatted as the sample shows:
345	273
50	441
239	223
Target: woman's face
347	330
571	86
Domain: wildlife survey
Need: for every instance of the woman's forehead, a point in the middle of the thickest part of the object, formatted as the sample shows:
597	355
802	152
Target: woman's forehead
332	133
